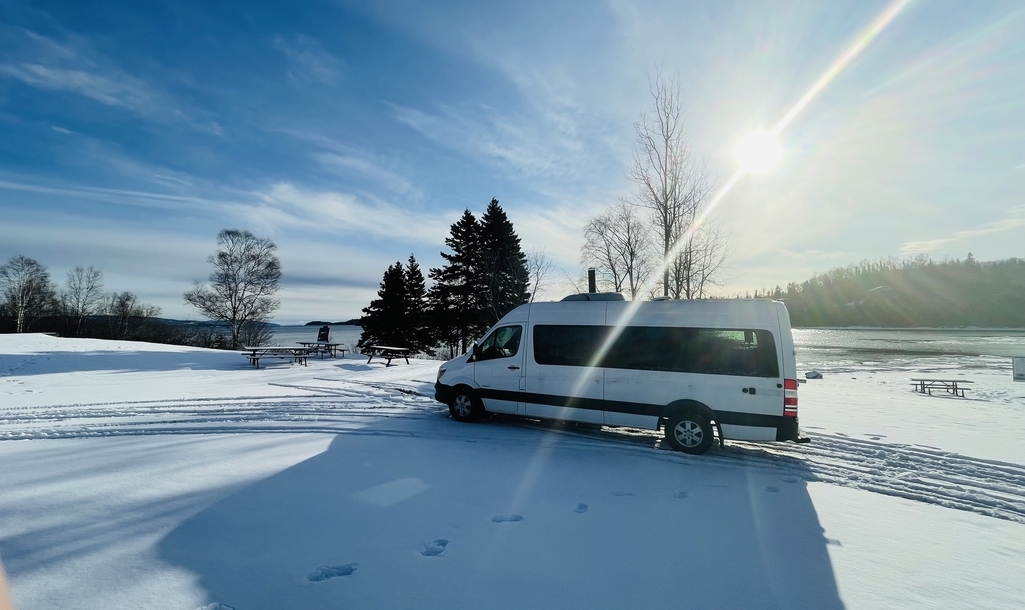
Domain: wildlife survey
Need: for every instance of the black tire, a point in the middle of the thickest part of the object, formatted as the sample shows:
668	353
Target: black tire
465	407
689	432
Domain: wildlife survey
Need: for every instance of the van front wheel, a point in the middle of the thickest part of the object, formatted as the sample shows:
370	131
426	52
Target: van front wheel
465	407
689	432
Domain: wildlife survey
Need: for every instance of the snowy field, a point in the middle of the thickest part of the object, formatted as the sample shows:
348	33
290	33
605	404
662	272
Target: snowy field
146	476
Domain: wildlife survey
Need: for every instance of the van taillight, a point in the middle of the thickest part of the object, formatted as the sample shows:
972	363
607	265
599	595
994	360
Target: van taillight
789	398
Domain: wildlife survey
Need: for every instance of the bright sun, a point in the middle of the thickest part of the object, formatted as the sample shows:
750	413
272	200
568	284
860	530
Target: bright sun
757	152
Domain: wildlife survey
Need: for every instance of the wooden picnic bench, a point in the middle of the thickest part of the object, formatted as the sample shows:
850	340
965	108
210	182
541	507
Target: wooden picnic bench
950	386
296	354
321	348
386	352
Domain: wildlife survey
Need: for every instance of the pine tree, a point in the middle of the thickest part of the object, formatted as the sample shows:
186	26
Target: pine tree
455	297
420	336
385	320
502	277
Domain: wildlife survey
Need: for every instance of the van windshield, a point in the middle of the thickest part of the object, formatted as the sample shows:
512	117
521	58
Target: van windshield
712	351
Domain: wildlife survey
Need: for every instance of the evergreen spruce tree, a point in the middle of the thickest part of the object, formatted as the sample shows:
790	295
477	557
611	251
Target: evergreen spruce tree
420	336
455	297
502	278
385	320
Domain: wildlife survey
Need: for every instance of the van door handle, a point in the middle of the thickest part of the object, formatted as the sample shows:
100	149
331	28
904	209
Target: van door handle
513	367
749	390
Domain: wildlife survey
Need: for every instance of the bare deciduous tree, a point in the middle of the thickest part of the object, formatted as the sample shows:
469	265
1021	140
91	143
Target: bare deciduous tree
539	266
255	333
82	295
26	291
125	314
673	183
697	263
616	243
246	275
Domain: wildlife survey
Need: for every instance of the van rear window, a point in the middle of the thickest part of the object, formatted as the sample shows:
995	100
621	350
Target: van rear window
712	351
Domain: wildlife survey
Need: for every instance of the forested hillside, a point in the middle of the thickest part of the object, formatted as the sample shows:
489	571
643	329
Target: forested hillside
915	292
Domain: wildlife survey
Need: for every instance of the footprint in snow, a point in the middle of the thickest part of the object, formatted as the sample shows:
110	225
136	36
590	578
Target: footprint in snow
580	509
216	606
506	518
623	494
790	480
681	495
773	489
833	542
326	572
433	549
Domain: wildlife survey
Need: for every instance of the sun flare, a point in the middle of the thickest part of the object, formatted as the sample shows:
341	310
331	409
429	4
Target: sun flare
757	152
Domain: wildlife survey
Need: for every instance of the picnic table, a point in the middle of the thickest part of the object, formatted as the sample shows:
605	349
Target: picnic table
296	354
950	386
387	352
321	348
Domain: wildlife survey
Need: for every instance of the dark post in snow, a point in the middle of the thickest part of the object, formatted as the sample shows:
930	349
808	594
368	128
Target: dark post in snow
592	285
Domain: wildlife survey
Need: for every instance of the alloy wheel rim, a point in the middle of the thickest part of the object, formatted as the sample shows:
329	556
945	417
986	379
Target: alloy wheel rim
462	405
689	433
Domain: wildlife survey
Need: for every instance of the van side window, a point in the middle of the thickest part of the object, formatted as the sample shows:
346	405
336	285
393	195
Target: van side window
749	353
503	343
567	345
711	351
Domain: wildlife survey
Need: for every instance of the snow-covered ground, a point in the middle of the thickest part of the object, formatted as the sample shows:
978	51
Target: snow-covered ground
138	475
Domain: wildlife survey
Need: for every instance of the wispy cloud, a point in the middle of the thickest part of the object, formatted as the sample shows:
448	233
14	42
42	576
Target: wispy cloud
308	59
285	204
499	138
1015	220
113	90
128	197
347	165
76	68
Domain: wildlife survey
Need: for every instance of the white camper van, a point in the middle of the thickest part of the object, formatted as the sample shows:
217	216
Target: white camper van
684	366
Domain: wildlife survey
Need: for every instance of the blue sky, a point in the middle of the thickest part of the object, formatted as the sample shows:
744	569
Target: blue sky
354	133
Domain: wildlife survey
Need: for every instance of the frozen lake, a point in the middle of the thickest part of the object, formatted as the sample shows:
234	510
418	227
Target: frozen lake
839	350
345	334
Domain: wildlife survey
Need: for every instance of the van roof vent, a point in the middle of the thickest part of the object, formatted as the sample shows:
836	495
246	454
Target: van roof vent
596	296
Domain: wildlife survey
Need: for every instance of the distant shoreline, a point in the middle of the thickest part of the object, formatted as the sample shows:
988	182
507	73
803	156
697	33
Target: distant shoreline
919	328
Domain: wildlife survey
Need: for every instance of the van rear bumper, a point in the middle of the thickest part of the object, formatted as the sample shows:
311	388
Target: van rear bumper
788	430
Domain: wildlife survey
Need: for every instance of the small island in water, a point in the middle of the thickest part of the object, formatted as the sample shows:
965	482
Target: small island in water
352	322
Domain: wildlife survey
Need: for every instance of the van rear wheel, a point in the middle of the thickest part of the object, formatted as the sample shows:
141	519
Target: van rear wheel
465	407
689	432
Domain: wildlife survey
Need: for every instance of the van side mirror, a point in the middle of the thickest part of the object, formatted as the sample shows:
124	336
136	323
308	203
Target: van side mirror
476	351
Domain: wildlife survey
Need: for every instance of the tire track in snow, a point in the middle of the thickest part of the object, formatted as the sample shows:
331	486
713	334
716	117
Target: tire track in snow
933	476
986	487
321	409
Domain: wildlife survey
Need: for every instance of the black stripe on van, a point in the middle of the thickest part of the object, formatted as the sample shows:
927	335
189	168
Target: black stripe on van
634	408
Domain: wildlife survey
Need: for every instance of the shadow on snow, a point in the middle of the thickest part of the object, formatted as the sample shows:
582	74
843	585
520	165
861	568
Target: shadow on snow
506	516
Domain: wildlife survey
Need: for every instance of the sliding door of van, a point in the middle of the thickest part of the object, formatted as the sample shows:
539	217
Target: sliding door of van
498	369
562	382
